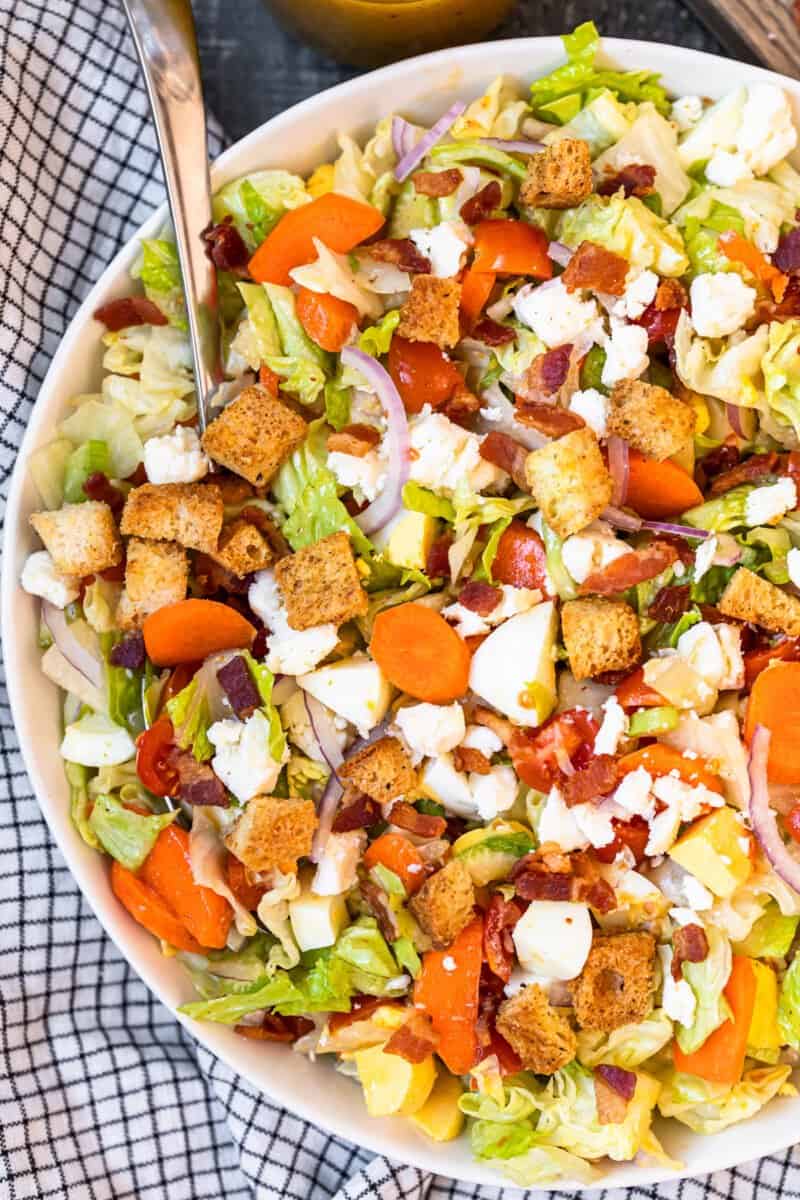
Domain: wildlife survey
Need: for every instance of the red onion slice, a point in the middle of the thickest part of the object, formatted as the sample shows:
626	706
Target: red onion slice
381	510
762	816
621	519
559	253
732	413
75	652
326	811
619	467
436	132
683	531
324	731
513	145
402	137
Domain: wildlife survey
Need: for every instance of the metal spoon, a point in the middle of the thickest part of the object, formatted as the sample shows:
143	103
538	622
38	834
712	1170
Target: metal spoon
164	34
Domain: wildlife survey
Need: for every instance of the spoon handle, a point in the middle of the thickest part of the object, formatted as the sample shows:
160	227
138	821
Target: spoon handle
164	35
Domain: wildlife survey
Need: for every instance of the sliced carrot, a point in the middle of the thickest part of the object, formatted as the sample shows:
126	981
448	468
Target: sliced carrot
190	630
447	990
660	759
476	288
168	871
269	379
398	854
739	250
633	692
506	247
659	489
775	703
720	1059
338	221
420	653
327	320
146	906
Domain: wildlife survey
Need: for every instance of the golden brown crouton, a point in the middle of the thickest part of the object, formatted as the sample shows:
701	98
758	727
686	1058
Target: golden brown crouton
187	513
569	481
430	314
273	832
600	635
748	597
254	434
82	539
156	573
650	419
541	1035
616	985
321	584
558	177
381	770
242	548
445	903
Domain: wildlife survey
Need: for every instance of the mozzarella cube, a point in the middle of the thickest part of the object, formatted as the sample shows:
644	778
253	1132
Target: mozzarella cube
768	504
96	741
594	407
355	688
431	729
40	578
317	921
514	668
445	457
449	787
336	872
243	761
175	457
556	315
720	303
289	651
444	245
553	938
626	353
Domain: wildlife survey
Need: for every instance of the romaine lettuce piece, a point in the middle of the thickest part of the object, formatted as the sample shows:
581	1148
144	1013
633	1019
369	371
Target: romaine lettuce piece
47	467
764	207
497	113
629	1046
126	835
601	123
190	717
111	424
771	936
628	228
789	1006
160	274
257	335
781	367
710	1107
653	140
257	202
707	980
731	372
89	458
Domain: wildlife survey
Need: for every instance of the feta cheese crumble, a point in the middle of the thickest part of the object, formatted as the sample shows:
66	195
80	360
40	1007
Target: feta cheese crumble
594	407
626	353
290	651
431	729
175	457
556	315
243	761
40	578
720	303
768	504
444	245
445	457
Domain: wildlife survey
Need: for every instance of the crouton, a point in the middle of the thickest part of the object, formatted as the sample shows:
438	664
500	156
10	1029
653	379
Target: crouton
558	177
430	314
321	584
187	513
254	434
273	832
242	548
82	539
541	1035
156	573
600	635
381	770
569	481
445	903
650	419
615	986
748	597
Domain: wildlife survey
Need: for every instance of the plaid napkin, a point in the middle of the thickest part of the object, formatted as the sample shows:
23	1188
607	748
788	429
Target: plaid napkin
103	1095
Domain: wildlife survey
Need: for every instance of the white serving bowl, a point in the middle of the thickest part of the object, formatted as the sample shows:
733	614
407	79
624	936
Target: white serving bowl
421	88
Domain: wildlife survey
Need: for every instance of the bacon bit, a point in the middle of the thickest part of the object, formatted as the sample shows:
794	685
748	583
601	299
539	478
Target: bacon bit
426	825
129	652
630	569
623	1082
197	782
544	885
670	294
492	720
632	835
548	874
466	758
98	487
787	255
547	419
752	468
357	440
268	529
507	454
592	266
538	754
245	889
722	458
636	179
593	782
783	310
437	565
275	1028
498	945
670	603
225	247
401	252
482	204
211	578
480	598
360	812
237	683
437	183
792	466
689	944
415	1040
493	333
460	404
130	310
610	1100
659	323
553	367
378	904
361	1009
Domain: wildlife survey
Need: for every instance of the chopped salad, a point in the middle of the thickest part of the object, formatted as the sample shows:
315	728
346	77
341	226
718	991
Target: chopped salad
437	708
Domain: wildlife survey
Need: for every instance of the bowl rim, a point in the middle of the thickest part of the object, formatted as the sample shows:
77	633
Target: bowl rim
370	1134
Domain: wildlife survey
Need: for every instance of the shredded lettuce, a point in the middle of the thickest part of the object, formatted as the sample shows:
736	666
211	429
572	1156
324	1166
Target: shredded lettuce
710	1107
80	802
781	367
126	835
629	1045
91	457
124	690
190	716
160	274
600	123
257	337
264	681
721	514
257	202
653	140
707	980
701	237
111	424
629	228
47	467
376	339
789	1006
421	500
451	154
771	936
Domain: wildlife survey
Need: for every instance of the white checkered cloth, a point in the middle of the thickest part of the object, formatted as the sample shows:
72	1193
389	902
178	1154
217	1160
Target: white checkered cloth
103	1095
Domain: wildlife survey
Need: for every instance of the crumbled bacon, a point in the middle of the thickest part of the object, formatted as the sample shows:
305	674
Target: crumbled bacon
566	739
415	1040
632	835
547	419
98	487
670	294
635	567
211	578
426	825
377	901
689	944
752	468
437	565
507	454
670	603
721	458
357	440
493	333
593	782
635	179
498	947
360	812
492	720
225	247
197	782
129	652
480	598
547	874
787	255
247	891
275	1028
467	758
553	367
237	683
129	310
461	404
592	266
401	252
437	183
623	1082
482	204
781	310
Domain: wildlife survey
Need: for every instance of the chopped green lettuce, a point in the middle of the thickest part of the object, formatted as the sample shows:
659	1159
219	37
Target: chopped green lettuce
629	228
710	1107
111	424
189	714
781	367
257	202
257	337
653	140
86	460
721	514
160	273
47	467
376	339
701	237
771	936
80	802
421	500
707	979
452	154
789	1006
628	1046
728	369
600	123
126	835
497	113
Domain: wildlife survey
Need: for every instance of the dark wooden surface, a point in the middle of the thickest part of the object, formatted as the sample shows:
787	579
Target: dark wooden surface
253	69
770	27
